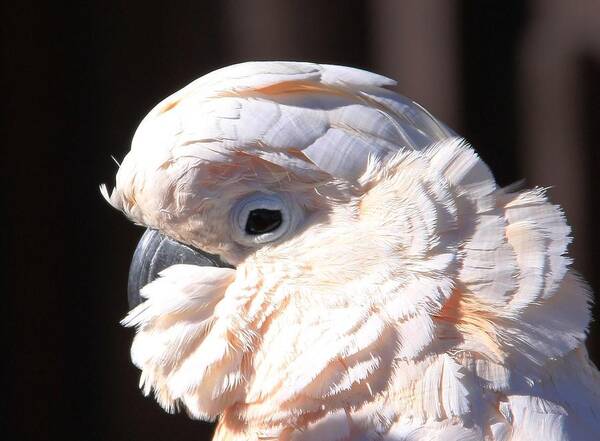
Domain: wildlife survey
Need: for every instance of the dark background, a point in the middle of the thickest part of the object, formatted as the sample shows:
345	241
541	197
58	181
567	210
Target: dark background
521	80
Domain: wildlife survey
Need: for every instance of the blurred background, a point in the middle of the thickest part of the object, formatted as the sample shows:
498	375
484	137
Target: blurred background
519	79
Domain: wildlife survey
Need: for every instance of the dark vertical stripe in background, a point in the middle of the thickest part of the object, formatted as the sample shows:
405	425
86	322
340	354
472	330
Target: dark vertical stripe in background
518	79
490	34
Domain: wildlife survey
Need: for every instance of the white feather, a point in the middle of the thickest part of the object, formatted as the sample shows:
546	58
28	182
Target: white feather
414	300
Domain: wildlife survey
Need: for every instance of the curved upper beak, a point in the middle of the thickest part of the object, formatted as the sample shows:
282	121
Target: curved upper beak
156	252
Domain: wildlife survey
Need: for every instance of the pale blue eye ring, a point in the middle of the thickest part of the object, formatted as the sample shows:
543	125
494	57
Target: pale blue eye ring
247	208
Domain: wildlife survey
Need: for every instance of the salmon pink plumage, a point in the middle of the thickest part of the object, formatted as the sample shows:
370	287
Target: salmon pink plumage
379	286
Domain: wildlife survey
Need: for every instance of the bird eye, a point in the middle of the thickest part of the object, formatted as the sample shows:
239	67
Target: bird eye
261	218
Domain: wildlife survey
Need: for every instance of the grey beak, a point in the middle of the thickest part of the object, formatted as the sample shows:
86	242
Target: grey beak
156	252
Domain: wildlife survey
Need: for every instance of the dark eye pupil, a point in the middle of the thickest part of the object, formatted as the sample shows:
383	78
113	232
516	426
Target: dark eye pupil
262	221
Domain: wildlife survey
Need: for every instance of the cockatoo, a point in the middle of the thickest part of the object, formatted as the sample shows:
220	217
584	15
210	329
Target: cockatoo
372	282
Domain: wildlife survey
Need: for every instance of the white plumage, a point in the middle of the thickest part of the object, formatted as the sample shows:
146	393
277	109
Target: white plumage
412	299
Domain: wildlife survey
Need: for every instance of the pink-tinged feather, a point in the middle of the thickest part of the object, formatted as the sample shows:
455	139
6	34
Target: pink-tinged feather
411	299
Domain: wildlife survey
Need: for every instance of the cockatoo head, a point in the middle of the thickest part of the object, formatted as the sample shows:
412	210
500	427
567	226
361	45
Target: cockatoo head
361	237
